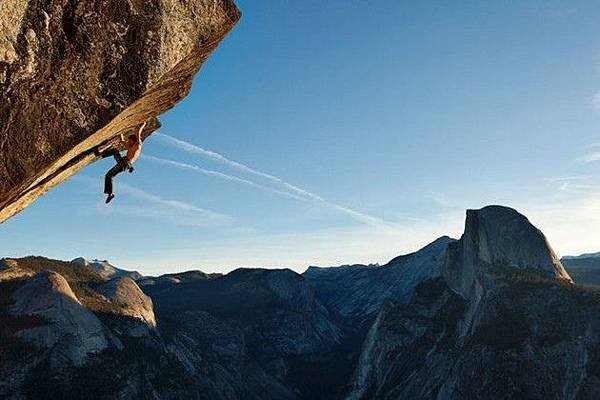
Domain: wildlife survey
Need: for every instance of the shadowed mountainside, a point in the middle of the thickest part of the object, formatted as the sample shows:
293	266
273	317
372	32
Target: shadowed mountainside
585	269
493	315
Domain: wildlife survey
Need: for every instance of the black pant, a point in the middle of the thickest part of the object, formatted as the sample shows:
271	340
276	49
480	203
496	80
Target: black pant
122	165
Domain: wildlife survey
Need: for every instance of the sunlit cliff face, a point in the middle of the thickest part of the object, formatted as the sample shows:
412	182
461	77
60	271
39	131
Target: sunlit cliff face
73	77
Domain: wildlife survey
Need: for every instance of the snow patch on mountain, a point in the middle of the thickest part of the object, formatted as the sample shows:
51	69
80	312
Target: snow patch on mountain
105	269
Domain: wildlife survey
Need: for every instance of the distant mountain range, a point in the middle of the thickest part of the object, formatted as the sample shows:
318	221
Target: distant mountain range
586	255
105	269
492	315
584	269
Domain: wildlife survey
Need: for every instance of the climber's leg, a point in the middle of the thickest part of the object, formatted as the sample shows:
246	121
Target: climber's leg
108	179
121	161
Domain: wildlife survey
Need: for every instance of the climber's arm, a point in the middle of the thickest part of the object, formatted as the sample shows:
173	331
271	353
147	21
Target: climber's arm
138	137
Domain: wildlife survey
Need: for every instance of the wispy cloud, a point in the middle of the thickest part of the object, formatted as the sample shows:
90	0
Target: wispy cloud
569	221
174	205
568	178
441	200
596	101
592	155
571	183
154	206
290	188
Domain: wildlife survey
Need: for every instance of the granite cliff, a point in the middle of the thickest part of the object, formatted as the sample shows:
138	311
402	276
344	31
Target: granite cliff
76	74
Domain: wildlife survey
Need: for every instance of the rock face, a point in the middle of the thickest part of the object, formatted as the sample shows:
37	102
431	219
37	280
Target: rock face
359	291
73	75
498	237
70	331
249	334
490	316
9	270
126	293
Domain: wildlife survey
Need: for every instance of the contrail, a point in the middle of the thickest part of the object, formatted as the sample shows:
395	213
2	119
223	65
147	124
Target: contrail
221	175
190	148
293	190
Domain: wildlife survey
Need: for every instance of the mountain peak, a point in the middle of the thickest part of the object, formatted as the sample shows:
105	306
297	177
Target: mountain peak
105	269
507	237
437	246
583	256
500	237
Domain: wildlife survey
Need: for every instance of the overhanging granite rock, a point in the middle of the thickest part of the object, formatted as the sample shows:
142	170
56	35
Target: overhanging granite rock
74	75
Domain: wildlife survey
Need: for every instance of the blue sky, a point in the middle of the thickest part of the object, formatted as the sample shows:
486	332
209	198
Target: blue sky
347	132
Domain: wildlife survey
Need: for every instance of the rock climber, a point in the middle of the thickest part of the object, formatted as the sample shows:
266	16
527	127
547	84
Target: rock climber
133	146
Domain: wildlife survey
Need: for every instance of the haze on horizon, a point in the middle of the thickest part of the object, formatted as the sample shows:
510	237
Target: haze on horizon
347	132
